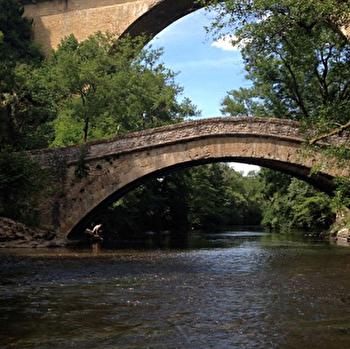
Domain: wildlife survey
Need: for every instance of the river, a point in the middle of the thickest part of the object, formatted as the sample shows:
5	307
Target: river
233	289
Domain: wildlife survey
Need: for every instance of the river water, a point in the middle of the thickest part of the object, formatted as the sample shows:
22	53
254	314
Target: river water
234	289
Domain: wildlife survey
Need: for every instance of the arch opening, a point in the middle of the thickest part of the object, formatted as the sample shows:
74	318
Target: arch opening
321	182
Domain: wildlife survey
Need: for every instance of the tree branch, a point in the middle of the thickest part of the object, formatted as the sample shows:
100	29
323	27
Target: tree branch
338	130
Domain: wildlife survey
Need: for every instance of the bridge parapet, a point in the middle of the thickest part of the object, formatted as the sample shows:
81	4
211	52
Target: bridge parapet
178	133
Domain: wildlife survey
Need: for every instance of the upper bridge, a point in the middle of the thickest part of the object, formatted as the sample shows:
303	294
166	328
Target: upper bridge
56	19
117	165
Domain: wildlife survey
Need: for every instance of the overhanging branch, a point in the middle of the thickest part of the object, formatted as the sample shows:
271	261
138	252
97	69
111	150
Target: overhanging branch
338	130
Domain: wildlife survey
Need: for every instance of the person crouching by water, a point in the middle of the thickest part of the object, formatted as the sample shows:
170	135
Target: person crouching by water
98	230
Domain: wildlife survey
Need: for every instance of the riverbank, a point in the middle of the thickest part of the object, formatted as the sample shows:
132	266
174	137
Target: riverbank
15	234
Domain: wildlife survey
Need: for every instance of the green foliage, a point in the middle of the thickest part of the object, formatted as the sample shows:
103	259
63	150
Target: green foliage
221	196
22	108
31	109
16	35
87	90
242	102
22	183
292	204
342	194
23	111
296	57
109	86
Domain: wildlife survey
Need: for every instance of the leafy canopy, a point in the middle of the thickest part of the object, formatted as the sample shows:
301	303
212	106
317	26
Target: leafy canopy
296	55
289	203
110	86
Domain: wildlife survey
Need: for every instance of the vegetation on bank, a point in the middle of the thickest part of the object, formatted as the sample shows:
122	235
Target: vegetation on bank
295	56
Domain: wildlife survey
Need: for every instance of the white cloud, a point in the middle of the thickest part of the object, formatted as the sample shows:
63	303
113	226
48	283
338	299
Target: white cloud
225	43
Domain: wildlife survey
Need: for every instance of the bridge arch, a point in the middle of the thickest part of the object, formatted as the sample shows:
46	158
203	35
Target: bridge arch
55	19
160	16
117	165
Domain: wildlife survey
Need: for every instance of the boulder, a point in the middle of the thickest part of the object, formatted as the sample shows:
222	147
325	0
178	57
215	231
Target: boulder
15	234
343	234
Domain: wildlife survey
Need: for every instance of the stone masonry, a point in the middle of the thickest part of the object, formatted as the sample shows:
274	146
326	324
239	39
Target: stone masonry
56	19
116	165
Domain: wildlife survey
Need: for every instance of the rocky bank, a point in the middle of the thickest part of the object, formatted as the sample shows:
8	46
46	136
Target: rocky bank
14	234
341	231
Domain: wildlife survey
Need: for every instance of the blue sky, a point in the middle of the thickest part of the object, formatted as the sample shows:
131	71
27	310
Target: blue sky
207	69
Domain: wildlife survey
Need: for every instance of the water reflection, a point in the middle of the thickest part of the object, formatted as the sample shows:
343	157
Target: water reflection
96	247
234	289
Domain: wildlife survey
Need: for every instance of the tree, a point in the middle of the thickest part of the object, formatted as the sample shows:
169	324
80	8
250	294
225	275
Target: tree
22	183
109	86
32	108
209	201
292	204
15	41
296	56
242	102
19	56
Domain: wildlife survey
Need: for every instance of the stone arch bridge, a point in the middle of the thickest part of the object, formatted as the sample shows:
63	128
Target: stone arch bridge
120	164
56	19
